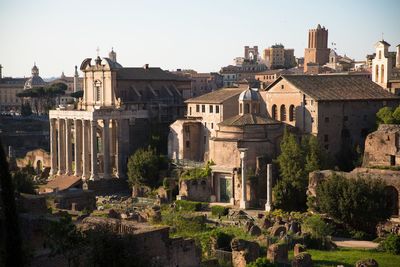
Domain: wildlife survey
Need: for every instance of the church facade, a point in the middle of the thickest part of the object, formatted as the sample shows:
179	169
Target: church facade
94	139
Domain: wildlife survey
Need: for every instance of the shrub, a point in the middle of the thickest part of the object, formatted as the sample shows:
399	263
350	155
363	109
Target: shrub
144	167
219	210
391	244
359	203
316	226
195	173
223	239
261	262
23	182
185	205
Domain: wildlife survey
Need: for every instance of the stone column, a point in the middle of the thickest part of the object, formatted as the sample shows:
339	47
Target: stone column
53	147
269	188
68	147
118	162
85	150
78	147
106	148
232	200
243	200
61	147
93	142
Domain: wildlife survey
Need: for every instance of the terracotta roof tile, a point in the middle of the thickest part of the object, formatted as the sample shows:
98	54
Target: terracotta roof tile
248	119
218	96
339	87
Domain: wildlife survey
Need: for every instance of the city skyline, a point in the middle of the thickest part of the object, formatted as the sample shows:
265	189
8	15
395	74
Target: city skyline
173	34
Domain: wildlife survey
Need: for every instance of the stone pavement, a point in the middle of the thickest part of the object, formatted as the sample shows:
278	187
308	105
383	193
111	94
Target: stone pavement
351	243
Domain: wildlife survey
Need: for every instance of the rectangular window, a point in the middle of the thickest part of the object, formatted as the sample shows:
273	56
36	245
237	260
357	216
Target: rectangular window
326	138
216	109
203	108
345	118
197	108
282	86
190	110
187	144
327	147
211	109
327	119
212	125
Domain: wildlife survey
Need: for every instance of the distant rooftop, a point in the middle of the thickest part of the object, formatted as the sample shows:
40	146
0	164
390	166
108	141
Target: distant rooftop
338	87
218	96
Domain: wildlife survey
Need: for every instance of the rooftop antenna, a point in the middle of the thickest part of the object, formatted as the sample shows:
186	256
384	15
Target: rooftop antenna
98	51
382	37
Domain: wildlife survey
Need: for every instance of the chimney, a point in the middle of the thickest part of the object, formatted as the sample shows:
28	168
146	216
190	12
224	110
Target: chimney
397	57
146	66
1	73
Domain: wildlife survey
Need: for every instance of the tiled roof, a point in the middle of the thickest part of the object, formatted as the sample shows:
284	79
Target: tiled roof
148	74
338	87
63	182
218	96
248	119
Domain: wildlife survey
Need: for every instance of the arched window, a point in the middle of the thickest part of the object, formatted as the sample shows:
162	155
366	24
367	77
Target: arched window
241	108
380	54
97	85
273	112
292	115
283	113
376	73
247	108
382	73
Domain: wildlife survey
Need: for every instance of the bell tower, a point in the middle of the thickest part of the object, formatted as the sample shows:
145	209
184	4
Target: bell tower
317	51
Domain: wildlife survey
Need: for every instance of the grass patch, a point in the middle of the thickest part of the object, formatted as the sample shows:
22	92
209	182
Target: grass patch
348	257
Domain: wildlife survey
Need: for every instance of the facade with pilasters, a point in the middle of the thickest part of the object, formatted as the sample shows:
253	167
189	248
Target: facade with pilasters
94	139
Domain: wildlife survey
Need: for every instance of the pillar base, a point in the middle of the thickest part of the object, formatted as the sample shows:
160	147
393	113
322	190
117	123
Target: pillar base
94	177
232	201
268	207
52	172
60	172
244	204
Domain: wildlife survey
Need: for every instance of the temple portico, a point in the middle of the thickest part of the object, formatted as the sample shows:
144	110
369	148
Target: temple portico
91	144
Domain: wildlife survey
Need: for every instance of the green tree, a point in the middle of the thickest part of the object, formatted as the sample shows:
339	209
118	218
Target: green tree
396	115
144	167
23	182
77	94
295	162
358	203
10	235
63	238
385	115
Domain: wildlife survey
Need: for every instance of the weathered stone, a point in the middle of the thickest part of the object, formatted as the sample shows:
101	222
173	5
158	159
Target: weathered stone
113	214
255	230
302	260
298	248
100	208
367	263
294	227
244	252
266	224
278	230
278	253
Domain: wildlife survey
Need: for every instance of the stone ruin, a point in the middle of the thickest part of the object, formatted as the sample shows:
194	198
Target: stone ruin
367	263
244	252
278	253
150	242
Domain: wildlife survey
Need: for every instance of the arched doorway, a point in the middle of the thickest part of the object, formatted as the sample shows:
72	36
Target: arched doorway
39	166
392	199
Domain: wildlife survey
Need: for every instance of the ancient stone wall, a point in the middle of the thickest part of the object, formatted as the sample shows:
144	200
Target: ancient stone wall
196	189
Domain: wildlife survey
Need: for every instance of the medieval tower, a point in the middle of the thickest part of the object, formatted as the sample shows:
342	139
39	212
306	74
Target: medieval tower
317	51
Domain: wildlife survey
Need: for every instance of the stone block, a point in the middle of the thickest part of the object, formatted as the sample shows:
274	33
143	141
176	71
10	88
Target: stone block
244	252
278	253
255	230
278	230
302	260
367	263
298	248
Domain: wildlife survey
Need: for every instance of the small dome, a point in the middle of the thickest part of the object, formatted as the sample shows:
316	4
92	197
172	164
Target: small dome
251	94
35	70
34	81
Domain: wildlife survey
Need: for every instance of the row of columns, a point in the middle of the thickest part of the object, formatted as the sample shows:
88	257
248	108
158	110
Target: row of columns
85	140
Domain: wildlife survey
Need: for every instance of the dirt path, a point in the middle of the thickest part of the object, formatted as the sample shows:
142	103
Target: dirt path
351	243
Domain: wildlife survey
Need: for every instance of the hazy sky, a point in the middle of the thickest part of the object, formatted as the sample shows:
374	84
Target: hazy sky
202	35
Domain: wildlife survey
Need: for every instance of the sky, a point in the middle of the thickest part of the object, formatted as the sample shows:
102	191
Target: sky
203	35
